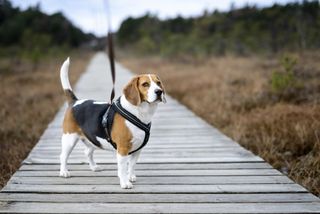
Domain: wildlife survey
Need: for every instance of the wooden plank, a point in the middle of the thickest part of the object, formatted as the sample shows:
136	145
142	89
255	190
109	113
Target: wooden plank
32	160
148	166
79	147
159	150
227	188
159	198
34	207
152	173
153	155
191	180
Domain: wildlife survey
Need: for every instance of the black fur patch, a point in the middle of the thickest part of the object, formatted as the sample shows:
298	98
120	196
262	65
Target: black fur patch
70	96
89	117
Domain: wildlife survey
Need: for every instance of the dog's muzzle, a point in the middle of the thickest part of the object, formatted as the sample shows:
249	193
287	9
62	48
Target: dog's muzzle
160	95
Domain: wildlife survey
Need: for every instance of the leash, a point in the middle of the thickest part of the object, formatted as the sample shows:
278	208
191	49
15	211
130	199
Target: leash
111	53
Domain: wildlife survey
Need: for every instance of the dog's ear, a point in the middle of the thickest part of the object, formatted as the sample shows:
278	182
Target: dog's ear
131	92
163	96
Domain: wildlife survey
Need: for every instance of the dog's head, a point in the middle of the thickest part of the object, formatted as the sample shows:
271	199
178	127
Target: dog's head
145	88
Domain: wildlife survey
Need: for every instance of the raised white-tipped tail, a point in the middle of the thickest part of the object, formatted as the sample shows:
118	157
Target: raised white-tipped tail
64	75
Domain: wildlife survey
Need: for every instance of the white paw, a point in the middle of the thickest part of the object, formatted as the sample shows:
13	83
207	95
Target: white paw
133	178
64	173
96	168
126	185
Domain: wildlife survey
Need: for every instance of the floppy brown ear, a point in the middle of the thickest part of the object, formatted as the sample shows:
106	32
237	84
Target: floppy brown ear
131	92
163	96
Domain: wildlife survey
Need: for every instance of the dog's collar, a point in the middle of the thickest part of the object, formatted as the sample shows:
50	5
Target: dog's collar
117	107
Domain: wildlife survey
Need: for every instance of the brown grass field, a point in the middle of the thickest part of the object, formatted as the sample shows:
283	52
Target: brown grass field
234	95
29	100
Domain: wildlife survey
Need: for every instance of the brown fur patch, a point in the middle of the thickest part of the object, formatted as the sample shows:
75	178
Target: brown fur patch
136	91
131	91
158	81
121	135
71	98
143	86
69	123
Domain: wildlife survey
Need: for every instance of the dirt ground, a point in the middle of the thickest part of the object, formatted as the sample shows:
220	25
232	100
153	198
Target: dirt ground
30	97
234	94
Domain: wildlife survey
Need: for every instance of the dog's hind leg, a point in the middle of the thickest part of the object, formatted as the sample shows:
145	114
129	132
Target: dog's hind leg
68	141
89	154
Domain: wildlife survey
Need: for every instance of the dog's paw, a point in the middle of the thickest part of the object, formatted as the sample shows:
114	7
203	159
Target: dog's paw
64	173
126	185
133	178
96	168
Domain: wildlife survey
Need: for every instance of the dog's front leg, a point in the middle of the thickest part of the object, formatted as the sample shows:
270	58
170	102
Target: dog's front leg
122	171
132	163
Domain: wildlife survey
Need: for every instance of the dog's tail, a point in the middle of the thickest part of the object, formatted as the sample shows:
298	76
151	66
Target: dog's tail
71	97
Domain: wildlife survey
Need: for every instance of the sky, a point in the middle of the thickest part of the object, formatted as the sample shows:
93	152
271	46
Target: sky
91	15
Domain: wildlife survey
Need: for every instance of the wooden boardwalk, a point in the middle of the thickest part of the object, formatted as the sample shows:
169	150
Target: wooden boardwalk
187	167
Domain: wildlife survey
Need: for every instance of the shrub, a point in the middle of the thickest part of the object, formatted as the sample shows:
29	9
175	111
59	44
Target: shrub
284	80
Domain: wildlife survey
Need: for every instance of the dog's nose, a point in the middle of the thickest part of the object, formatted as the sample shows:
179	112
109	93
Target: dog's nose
158	92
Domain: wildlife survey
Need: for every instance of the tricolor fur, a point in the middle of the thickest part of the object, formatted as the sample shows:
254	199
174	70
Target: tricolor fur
140	97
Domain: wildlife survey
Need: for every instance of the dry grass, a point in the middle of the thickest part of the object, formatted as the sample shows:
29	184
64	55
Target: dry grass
234	95
29	100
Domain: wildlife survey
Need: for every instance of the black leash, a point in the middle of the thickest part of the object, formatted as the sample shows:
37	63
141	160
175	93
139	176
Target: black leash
112	67
111	53
107	118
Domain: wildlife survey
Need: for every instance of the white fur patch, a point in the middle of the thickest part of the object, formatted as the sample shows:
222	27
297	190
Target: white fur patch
152	96
122	171
68	141
100	102
79	102
64	75
105	144
137	135
144	112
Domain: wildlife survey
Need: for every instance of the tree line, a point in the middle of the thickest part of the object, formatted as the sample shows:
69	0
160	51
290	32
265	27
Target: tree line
243	31
31	32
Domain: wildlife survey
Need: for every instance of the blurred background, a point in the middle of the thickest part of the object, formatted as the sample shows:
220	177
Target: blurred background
250	68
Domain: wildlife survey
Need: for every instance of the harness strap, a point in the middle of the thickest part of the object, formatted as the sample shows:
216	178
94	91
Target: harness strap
108	120
129	116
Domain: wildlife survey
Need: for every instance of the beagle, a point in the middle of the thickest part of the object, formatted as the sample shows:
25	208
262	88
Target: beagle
140	98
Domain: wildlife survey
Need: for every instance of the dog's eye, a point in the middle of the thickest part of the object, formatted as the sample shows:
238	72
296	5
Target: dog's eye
145	84
158	83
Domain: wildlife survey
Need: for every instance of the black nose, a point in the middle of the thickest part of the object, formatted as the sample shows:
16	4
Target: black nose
158	92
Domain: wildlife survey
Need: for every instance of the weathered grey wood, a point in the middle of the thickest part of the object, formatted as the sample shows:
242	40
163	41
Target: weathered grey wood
159	198
167	153
150	149
156	180
32	207
163	166
168	172
188	166
153	160
226	188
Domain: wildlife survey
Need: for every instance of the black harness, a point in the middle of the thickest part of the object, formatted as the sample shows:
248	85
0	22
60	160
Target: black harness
96	120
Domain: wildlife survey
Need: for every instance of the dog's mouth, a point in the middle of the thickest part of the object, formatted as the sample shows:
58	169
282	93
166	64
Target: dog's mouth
161	98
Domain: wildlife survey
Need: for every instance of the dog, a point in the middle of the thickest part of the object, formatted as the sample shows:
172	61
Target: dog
140	98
